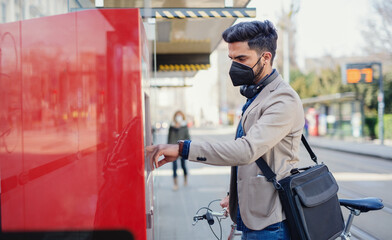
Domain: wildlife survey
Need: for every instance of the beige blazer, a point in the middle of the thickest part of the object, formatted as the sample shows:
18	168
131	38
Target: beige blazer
273	125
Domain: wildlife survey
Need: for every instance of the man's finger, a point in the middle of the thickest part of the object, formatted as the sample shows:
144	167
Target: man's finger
166	160
156	152
156	159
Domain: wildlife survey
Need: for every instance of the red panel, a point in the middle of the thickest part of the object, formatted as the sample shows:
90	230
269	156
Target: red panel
11	163
50	92
78	164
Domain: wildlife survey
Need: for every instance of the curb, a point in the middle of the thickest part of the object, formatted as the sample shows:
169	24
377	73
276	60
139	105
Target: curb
377	151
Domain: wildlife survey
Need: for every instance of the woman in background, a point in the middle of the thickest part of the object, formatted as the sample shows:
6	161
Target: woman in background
178	131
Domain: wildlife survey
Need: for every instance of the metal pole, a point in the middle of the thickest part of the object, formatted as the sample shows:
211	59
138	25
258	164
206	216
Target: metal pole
340	123
381	108
362	116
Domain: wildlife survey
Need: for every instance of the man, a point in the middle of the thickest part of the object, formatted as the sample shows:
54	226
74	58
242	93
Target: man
270	127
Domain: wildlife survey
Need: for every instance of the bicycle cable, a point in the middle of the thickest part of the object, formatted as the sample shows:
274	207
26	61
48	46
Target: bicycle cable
219	220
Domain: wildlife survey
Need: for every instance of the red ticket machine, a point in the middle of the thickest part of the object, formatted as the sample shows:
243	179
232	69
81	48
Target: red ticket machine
73	125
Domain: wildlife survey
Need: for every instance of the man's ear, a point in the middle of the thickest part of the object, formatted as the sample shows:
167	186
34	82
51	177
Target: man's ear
267	57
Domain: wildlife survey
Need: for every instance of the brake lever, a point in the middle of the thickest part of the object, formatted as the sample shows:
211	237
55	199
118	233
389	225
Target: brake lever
225	213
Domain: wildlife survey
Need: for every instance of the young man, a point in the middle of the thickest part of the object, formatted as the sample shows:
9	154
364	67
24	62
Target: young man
270	127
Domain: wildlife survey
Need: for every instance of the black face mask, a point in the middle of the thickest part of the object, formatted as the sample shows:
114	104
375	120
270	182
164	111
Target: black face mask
242	74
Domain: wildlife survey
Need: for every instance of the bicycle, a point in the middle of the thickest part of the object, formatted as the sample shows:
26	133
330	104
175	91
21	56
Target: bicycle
3	141
356	207
10	111
209	216
9	135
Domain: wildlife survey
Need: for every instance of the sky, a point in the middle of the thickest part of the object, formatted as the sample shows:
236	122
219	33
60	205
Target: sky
330	27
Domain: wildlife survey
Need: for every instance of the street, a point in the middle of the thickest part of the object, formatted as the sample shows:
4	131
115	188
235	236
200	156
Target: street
358	176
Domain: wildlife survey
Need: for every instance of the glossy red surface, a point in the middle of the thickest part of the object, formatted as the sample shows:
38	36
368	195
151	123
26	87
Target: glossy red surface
72	124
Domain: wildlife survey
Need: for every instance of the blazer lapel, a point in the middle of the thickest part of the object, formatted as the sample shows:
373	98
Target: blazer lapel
267	90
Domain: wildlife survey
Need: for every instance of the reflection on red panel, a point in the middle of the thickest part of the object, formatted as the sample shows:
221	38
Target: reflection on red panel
11	164
71	123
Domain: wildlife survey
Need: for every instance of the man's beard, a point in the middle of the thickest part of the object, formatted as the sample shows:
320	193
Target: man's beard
258	73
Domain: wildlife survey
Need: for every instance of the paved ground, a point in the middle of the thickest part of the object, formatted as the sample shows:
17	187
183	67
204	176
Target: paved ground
174	210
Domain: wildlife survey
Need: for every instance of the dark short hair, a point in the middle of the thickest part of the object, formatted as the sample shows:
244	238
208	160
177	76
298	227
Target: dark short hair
261	36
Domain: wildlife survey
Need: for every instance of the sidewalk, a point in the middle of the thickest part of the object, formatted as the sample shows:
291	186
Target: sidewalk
356	147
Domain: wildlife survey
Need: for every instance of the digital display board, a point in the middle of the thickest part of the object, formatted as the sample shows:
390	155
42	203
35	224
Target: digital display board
359	73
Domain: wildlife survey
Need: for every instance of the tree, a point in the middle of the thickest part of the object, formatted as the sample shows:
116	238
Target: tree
300	84
378	33
378	30
313	85
287	30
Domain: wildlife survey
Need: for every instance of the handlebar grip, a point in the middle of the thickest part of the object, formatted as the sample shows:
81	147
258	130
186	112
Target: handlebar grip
210	218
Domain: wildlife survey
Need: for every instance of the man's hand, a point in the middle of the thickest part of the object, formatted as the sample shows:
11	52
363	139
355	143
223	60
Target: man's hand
168	151
225	204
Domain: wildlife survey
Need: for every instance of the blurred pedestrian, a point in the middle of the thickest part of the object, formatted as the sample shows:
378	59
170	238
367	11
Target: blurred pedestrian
306	127
178	131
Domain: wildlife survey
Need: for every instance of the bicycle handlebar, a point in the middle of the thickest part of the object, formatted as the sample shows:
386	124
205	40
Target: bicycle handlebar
209	216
